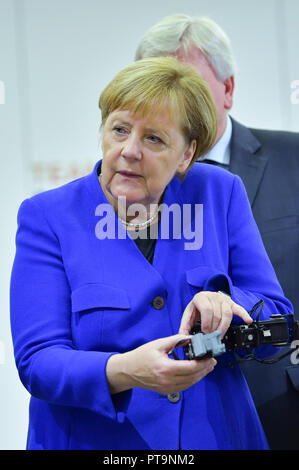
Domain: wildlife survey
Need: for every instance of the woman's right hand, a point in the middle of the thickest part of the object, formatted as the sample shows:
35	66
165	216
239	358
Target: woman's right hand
150	367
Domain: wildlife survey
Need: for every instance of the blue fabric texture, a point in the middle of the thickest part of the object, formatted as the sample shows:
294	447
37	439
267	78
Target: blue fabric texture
76	299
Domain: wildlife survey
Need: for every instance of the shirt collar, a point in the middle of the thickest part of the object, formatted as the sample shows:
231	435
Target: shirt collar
220	153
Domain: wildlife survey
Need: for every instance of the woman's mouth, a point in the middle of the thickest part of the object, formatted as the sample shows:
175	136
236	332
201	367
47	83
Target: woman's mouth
129	174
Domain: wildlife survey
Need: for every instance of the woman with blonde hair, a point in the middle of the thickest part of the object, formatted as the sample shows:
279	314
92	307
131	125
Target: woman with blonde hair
98	301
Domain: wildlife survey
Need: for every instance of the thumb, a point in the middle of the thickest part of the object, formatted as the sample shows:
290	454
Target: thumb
166	344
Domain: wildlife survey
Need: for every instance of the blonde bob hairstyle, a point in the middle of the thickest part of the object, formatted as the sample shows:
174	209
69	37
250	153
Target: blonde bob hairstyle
158	83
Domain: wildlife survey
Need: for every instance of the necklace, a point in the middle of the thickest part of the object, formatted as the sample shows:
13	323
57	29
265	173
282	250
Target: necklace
140	225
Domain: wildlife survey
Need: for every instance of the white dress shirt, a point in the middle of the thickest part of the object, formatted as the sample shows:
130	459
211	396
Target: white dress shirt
220	153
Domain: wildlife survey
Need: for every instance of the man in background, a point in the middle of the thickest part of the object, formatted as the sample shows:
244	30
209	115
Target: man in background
268	163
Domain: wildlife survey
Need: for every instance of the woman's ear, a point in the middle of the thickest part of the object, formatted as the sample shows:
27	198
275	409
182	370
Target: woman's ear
187	158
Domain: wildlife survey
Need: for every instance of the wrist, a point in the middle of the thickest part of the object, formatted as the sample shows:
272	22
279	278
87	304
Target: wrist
117	375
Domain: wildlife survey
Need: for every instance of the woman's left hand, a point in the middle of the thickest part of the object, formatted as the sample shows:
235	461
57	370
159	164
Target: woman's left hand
215	311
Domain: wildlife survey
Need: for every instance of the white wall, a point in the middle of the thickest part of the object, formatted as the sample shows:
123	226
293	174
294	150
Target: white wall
55	58
13	403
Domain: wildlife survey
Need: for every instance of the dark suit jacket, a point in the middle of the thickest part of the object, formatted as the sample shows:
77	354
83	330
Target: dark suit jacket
268	163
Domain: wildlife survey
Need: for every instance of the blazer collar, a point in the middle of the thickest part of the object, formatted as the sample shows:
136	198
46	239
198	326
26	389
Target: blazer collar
245	160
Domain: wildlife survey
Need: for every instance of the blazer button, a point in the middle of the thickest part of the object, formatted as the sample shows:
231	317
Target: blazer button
174	397
158	303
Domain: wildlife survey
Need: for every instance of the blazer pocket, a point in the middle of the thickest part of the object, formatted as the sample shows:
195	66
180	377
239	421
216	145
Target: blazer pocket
90	305
99	295
208	278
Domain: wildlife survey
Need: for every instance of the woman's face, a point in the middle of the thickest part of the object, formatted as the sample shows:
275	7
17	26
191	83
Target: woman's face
141	154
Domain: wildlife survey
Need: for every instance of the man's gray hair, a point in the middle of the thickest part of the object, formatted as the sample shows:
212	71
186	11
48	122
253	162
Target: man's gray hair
176	31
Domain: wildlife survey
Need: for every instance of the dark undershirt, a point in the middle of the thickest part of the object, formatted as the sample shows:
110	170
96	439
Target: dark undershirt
147	245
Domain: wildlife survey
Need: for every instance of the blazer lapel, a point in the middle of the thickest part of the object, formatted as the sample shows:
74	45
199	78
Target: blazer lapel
246	160
122	260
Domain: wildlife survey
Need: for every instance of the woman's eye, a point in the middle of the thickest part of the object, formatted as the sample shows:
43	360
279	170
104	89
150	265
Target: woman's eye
120	130
154	139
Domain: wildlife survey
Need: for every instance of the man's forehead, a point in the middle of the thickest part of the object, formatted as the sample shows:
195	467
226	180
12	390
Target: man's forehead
192	54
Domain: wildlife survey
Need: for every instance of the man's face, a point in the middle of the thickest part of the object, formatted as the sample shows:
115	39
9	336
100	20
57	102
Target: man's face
222	91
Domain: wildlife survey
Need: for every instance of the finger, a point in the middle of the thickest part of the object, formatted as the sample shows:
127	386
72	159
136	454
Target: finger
182	382
180	375
217	313
209	367
226	318
188	319
241	312
187	368
169	342
206	312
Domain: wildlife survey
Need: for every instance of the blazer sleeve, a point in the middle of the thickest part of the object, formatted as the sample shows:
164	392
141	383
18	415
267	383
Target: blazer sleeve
250	276
49	365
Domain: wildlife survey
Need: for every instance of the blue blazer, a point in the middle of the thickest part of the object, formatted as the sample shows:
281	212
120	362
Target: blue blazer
76	300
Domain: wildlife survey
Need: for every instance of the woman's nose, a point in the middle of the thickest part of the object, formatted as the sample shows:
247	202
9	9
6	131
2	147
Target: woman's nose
132	147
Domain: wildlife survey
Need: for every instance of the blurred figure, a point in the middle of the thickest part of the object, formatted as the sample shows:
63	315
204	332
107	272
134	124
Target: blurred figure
268	163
